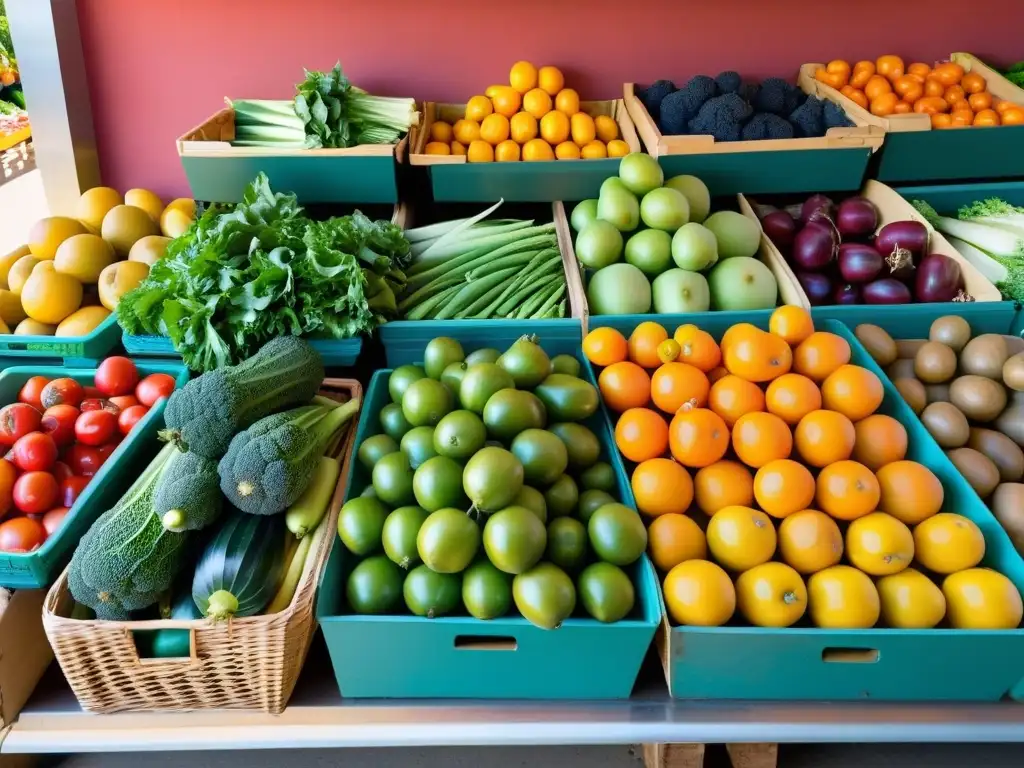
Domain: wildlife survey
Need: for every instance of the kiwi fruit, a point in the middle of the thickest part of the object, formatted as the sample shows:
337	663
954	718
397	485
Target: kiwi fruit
913	392
1013	372
1007	505
1005	454
877	342
985	356
951	330
980	398
1014	344
901	369
946	424
977	468
1011	423
934	363
907	348
936	393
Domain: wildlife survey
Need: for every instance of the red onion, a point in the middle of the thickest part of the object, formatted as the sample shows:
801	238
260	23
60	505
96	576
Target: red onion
849	293
886	291
780	228
817	286
815	246
938	279
907	235
856	217
859	263
815	204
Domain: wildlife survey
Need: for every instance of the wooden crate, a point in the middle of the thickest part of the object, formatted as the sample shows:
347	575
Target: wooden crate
24	651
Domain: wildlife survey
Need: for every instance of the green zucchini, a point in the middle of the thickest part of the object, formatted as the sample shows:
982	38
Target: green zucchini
239	571
175	643
305	514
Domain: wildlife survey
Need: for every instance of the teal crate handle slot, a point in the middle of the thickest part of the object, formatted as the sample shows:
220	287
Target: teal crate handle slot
485	643
850	655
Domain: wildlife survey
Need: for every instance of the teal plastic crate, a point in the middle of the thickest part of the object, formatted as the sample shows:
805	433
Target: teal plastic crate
76	351
461	657
806	663
341	353
912	157
912	321
38	569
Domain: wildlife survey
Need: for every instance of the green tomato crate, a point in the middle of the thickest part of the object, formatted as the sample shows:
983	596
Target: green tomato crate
404	656
219	172
914	152
836	161
39	568
806	663
405	340
454	179
341	353
74	351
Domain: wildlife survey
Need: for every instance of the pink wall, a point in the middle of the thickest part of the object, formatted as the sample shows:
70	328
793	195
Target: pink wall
158	67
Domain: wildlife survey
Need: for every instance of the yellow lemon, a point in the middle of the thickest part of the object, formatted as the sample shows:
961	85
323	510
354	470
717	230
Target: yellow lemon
458	148
606	127
980	598
124	224
741	537
842	597
554	127
771	595
30	327
594	150
810	541
49	296
493	89
82	322
506	152
879	544
947	543
480	152
119	278
583	130
466	131
437	148
618	148
567	151
523	127
523	76
47	234
478	107
506	100
910	600
176	219
94	204
551	80
537	149
147	201
441	131
537	103
494	129
567	101
699	593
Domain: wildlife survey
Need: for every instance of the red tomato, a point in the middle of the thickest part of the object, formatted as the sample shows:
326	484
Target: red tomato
35	492
91	393
59	423
99	404
54	519
61	472
8	474
124	402
153	387
31	391
116	376
16	421
35	452
109	448
84	459
59	391
71	488
130	417
95	427
21	534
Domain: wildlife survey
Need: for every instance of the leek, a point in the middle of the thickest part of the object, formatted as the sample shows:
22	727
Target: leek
995	212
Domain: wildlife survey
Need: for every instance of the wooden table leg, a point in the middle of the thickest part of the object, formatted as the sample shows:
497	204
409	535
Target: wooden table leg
674	755
753	755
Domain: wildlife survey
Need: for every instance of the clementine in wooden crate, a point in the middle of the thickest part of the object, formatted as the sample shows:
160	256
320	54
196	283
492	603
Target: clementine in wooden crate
731	397
673	539
757	356
674	385
624	385
641	434
820	354
910	492
783	487
643	344
853	391
697	347
847	490
791	397
791	324
698	437
723	484
810	541
880	440
758	438
661	487
824	437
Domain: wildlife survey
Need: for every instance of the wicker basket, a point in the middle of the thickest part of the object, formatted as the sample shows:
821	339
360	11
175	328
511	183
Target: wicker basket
247	663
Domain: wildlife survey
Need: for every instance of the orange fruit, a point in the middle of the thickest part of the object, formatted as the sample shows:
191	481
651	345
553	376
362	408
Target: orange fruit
877	86
791	324
437	148
604	346
820	354
910	492
643	344
506	100
676	384
1013	117
697	437
948	73
594	150
771	595
735	333
731	397
550	79
641	434
583	129
567	151
842	597
673	539
624	385
668	350
853	391
458	149
879	544
972	82
506	152
554	127
791	397
523	126
478	107
979	101
480	151
494	129
697	347
783	487
723	484
847	490
756	356
536	102
988	117
661	487
607	128
536	150
716	373
523	76
824	437
880	440
699	593
758	438
810	541
441	131
466	131
617	148
940	120
567	102
740	538
946	543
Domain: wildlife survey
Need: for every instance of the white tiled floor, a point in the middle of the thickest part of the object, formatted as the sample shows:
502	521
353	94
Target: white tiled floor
22	202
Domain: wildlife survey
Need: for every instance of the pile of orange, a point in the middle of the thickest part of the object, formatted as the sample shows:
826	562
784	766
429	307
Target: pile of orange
772	487
953	97
534	117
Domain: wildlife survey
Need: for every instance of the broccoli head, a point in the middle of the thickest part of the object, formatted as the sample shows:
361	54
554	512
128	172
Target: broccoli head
652	97
809	118
728	82
722	117
679	108
188	493
765	125
775	96
835	117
